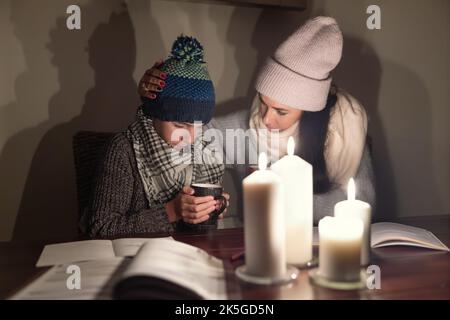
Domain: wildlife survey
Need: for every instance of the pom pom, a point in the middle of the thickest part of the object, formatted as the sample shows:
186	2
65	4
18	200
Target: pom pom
187	49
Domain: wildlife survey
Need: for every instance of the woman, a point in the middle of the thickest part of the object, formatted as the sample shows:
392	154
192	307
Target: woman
144	181
295	98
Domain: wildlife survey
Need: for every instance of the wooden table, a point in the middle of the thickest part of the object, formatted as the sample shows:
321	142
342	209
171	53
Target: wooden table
406	272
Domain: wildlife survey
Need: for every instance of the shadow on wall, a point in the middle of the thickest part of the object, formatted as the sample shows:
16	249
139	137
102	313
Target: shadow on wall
359	73
264	40
273	26
402	168
48	208
411	134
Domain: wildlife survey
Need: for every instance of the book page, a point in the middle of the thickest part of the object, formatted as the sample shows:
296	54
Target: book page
75	251
60	253
97	280
128	247
387	234
180	263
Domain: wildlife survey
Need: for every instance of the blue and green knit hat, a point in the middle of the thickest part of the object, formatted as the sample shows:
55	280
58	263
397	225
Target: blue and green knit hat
189	92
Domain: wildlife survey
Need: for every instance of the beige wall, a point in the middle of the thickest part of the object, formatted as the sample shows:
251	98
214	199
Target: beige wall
55	82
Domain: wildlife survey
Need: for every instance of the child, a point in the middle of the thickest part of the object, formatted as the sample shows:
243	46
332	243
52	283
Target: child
143	184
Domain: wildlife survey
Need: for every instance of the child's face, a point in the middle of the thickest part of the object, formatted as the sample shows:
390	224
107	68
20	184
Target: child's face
177	134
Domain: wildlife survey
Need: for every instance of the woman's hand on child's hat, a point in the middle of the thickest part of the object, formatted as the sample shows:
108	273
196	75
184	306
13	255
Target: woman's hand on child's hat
152	82
194	209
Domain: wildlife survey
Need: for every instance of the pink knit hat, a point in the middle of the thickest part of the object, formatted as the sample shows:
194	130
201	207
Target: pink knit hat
298	74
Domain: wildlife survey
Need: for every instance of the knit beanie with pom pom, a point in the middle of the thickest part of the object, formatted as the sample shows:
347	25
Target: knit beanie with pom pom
189	92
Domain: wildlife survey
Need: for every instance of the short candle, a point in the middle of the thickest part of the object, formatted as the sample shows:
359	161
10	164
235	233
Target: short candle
340	248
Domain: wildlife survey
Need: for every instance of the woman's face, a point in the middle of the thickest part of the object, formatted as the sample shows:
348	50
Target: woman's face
277	116
177	134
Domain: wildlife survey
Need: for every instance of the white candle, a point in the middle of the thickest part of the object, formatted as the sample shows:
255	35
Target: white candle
264	222
297	177
357	209
340	248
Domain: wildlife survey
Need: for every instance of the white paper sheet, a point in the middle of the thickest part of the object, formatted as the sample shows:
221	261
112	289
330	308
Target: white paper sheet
97	279
61	253
87	250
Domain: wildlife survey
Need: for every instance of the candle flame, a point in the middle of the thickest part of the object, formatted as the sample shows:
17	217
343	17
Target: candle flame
262	161
290	146
351	190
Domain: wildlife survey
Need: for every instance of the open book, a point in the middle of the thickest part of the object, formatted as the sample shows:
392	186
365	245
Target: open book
384	234
393	234
161	268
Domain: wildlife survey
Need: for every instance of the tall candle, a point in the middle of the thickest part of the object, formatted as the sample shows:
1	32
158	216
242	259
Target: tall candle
357	209
296	175
340	248
264	222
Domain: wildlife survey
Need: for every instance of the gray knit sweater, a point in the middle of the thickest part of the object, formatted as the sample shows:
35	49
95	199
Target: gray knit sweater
119	203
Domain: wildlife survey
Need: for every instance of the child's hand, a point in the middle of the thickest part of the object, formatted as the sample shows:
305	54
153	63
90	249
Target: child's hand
193	209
